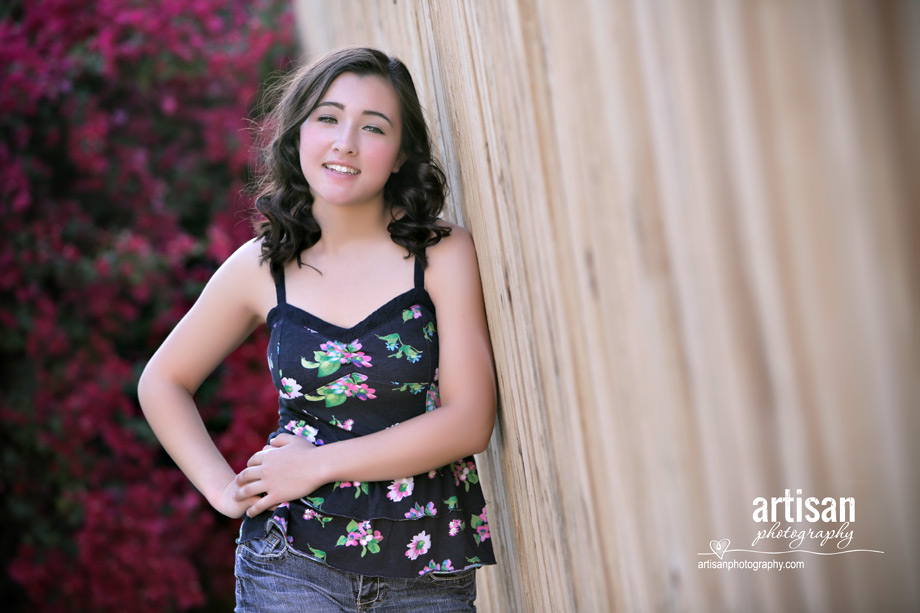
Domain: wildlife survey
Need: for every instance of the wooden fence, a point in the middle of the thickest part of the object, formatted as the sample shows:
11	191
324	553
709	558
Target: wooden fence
698	228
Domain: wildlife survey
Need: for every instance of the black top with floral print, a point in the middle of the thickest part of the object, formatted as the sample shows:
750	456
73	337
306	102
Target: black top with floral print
335	384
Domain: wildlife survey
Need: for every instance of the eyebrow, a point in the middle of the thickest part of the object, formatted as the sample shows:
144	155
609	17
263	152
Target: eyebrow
341	106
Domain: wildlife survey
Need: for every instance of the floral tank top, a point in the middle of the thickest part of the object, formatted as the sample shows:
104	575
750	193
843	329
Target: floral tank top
339	383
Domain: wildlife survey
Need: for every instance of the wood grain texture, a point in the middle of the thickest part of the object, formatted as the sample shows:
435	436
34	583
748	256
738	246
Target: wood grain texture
697	227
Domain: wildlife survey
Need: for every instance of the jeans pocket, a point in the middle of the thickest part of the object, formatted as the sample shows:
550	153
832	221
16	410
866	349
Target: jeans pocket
269	547
464	577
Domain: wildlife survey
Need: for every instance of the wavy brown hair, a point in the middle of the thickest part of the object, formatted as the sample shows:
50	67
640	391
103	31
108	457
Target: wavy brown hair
284	204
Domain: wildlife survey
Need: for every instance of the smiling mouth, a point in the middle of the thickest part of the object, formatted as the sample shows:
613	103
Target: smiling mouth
345	170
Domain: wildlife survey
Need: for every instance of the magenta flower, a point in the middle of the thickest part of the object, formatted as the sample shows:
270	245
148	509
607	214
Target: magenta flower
400	488
419	546
289	388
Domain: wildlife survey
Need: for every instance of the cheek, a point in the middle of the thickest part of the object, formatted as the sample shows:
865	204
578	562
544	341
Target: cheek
308	142
382	154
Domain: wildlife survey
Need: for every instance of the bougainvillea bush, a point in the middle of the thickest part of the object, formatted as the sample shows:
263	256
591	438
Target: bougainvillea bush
125	144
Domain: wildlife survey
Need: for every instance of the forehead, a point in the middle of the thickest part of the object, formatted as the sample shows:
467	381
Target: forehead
363	93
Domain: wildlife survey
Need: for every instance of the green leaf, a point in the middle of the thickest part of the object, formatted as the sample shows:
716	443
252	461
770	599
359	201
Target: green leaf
306	364
363	551
407	315
319	553
374	547
320	356
317	502
334	400
352	526
327	368
364	486
341	541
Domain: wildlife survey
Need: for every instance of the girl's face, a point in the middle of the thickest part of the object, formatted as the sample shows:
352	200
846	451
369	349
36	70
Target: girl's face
350	143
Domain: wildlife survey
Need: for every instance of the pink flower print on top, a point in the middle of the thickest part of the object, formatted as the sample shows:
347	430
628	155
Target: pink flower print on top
433	566
343	388
480	523
433	395
418	511
400	488
465	472
361	534
419	546
413	312
333	354
301	428
456	525
348	424
289	388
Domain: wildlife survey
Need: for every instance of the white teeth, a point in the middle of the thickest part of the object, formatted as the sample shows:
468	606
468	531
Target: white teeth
343	169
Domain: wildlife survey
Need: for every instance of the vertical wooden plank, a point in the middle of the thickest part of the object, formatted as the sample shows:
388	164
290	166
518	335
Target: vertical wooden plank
696	224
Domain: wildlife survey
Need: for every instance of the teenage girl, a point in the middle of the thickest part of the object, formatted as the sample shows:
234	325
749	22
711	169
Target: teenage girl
367	495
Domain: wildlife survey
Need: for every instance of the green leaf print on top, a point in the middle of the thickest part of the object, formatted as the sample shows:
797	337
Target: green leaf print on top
415	388
394	343
361	487
344	388
361	534
334	354
413	312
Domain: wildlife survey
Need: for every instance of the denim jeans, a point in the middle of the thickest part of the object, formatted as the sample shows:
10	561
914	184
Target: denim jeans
273	577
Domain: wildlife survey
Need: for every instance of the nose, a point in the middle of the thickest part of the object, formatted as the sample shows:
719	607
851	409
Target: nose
347	142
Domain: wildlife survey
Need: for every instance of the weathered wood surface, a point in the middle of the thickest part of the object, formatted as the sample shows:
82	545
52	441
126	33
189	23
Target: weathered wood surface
697	225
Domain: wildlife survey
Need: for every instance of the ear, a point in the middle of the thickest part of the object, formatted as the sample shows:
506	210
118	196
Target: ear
400	160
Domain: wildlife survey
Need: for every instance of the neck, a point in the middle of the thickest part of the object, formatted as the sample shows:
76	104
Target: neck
344	226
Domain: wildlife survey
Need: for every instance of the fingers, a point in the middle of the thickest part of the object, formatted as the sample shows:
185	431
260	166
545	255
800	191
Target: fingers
261	505
257	458
249	484
248	475
283	439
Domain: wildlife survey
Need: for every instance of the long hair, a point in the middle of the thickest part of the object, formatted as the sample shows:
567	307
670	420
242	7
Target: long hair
284	204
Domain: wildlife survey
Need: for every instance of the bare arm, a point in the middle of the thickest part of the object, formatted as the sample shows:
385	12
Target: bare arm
224	315
461	426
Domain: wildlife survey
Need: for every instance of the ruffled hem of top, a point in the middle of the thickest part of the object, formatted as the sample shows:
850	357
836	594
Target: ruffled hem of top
378	547
450	489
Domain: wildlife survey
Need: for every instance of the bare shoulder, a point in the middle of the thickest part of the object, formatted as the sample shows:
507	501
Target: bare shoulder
245	275
453	251
246	261
453	270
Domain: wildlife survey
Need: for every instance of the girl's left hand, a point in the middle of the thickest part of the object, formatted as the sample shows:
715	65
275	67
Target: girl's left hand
282	472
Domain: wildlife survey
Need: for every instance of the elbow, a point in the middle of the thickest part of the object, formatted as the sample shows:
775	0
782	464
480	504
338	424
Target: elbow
482	437
482	445
144	385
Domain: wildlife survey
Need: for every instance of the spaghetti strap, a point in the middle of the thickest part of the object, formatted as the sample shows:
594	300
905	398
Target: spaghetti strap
419	274
279	286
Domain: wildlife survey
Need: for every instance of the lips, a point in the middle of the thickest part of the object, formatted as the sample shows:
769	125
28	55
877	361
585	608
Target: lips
341	169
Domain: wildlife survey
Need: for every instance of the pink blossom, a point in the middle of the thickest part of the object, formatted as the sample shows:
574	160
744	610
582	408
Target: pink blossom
400	488
419	546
